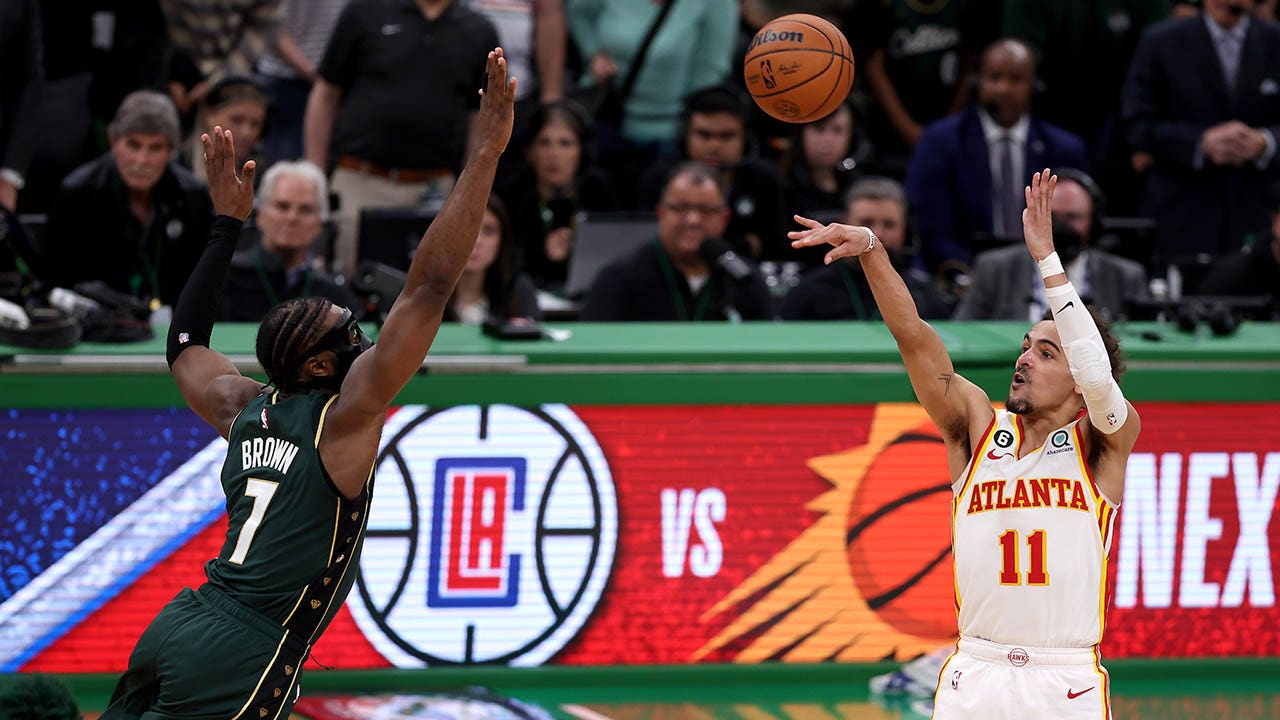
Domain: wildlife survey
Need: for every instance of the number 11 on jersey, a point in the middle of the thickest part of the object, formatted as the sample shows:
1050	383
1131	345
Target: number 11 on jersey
1009	569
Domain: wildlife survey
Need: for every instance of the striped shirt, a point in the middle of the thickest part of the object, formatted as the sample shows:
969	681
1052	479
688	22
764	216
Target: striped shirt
223	36
309	23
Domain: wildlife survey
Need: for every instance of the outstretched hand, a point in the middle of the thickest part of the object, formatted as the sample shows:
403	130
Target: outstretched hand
231	195
848	240
497	106
1037	219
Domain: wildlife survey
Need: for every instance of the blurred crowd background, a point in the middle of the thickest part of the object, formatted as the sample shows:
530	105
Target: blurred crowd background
642	182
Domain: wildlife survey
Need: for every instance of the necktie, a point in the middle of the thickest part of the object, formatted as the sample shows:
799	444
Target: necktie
1008	220
1229	54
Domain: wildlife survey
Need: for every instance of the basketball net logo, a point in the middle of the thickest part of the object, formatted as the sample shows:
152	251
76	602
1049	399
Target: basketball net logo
490	539
846	601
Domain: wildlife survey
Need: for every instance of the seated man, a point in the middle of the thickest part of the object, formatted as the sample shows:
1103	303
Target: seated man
839	291
968	170
1256	272
1006	283
715	134
669	279
131	218
294	202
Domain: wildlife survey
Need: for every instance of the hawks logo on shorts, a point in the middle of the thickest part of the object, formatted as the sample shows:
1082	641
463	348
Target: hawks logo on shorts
490	539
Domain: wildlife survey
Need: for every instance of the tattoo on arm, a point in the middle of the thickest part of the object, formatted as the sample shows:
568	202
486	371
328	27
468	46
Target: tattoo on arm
946	378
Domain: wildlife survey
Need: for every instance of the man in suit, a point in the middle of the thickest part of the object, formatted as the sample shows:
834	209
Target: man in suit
1203	99
968	170
1006	283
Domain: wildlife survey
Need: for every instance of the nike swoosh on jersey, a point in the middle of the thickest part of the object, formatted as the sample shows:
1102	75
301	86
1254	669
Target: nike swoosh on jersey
1074	695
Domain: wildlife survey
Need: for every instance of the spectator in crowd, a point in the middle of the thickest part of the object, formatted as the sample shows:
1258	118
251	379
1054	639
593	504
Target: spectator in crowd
818	167
491	286
23	63
1203	99
691	50
131	218
395	99
535	40
293	208
671	279
1082	50
714	133
839	291
1006	283
968	171
222	37
561	181
288	70
916	60
1253	271
237	103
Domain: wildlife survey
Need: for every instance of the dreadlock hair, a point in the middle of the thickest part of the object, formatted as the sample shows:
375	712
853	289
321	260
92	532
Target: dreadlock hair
288	330
1110	340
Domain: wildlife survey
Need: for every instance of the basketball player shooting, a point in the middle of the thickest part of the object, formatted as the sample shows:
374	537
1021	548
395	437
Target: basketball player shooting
1036	486
299	471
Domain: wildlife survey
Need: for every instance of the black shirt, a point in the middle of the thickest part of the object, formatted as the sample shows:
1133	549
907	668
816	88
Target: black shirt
533	219
646	286
257	281
408	83
92	235
840	291
1245	273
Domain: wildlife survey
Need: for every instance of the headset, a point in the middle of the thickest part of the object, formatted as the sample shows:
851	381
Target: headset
720	98
1097	198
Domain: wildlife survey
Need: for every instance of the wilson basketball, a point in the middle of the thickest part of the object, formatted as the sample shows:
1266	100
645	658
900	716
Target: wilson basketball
899	537
799	68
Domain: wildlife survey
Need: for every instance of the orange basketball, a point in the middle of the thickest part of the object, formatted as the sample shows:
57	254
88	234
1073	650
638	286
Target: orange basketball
799	68
899	536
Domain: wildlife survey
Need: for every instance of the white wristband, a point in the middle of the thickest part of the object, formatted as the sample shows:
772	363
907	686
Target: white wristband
871	243
1050	266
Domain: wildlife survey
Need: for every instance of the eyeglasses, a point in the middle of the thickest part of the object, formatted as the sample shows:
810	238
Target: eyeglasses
686	208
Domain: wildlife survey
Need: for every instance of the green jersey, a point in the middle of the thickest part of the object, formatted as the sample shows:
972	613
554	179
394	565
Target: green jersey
293	541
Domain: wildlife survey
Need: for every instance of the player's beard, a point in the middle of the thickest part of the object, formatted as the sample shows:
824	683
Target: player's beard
1019	406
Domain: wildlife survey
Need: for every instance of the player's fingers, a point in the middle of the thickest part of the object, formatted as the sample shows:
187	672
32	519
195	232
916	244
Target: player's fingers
231	152
807	222
250	169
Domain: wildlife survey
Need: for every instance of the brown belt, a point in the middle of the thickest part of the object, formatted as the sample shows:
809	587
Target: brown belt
396	175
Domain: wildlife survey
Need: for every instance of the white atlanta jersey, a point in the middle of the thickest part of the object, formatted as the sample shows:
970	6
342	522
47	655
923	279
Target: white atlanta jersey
1030	539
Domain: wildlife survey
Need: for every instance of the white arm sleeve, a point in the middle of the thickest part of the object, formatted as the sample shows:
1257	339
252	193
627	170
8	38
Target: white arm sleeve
1087	358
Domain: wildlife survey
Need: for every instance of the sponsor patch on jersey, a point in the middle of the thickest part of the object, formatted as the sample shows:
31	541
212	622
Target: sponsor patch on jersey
1060	442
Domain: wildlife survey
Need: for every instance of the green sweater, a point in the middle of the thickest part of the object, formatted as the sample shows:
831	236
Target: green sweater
692	50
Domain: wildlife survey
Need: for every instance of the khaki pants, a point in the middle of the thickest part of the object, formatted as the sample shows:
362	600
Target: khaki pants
359	190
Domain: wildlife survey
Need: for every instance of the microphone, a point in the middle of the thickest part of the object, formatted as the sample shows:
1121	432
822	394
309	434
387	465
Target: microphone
718	253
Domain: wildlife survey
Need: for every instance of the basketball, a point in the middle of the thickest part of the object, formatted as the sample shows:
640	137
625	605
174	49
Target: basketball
899	538
799	68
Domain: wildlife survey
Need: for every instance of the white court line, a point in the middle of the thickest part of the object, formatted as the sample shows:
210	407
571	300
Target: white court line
583	713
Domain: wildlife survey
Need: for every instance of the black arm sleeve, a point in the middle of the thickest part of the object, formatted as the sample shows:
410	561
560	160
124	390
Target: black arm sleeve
201	298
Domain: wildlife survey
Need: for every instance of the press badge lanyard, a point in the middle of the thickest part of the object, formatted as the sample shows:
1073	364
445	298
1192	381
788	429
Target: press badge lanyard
669	274
854	295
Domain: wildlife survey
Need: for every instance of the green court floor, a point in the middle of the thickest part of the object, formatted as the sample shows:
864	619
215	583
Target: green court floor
1142	689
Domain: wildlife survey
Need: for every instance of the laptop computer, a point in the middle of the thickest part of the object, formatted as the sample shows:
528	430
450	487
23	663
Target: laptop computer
602	238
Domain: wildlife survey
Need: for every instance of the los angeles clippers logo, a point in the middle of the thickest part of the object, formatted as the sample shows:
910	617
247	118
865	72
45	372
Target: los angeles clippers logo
491	535
470	567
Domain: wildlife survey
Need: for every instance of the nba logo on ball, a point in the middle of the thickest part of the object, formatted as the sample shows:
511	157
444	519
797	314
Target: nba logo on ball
490	539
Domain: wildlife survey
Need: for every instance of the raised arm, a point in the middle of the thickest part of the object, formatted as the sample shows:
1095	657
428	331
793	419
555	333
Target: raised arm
960	409
380	373
211	385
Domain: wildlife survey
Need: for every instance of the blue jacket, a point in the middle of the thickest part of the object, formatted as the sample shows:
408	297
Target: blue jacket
949	180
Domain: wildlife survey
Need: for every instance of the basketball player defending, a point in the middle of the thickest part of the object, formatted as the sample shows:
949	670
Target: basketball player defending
1036	487
299	472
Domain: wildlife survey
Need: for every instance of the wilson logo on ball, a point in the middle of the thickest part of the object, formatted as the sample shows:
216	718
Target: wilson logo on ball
490	539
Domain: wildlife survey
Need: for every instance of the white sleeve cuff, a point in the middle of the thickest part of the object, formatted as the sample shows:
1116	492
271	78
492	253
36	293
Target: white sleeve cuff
1270	152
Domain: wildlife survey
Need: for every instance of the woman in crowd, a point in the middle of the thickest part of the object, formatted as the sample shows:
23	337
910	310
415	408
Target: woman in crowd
490	286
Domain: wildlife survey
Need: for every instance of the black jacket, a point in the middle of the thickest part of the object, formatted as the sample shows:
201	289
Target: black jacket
645	286
257	282
92	235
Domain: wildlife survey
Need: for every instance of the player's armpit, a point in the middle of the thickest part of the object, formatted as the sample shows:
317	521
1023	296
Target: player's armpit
213	387
960	409
1109	454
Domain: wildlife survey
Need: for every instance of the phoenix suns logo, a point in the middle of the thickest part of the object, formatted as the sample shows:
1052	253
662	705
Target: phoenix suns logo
868	580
